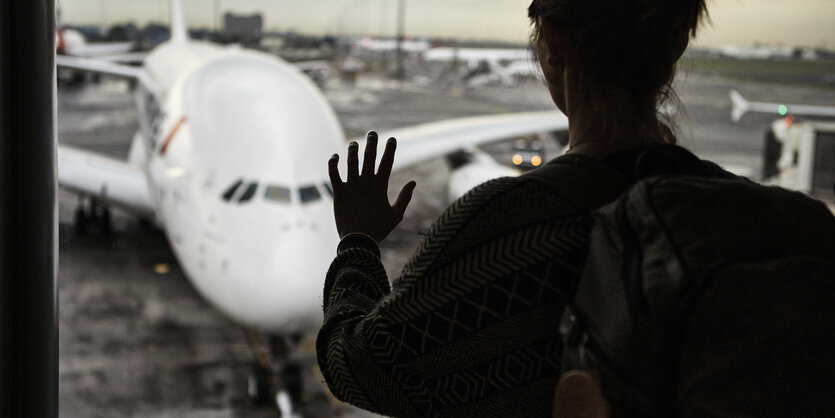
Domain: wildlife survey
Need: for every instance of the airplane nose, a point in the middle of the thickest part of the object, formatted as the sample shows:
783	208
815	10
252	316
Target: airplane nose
294	277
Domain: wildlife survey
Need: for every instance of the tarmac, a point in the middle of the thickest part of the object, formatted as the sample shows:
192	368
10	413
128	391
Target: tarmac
136	340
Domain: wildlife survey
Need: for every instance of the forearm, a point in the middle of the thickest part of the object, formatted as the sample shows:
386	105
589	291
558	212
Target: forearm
355	284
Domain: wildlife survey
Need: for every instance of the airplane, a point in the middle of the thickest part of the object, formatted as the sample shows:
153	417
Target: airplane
476	55
741	106
390	45
489	65
798	155
72	42
230	161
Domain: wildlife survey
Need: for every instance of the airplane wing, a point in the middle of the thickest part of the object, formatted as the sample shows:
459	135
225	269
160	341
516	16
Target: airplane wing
422	142
109	180
108	68
128	58
740	106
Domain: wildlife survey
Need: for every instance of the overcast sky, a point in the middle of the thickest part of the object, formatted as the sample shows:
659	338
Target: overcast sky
734	22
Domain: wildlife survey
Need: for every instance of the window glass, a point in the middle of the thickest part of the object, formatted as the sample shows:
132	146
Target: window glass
309	194
328	188
277	194
227	195
249	192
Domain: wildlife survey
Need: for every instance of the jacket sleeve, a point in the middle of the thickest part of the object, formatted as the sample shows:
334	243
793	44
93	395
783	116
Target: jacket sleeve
363	345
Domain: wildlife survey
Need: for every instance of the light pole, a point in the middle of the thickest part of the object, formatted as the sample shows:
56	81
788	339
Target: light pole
217	17
401	36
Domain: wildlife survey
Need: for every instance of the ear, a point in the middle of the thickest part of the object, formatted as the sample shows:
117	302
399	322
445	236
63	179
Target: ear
554	42
578	395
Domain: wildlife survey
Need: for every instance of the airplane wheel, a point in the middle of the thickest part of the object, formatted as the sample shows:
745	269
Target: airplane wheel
104	222
260	386
81	220
292	378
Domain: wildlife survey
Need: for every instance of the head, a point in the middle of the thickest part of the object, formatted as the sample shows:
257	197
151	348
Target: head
600	54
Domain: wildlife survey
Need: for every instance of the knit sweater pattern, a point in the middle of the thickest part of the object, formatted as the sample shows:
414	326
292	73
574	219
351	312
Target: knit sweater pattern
470	328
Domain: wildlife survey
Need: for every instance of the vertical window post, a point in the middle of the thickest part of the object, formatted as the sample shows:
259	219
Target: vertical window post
28	233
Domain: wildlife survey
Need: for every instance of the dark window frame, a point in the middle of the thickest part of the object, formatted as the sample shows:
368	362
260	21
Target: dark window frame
249	192
230	191
309	194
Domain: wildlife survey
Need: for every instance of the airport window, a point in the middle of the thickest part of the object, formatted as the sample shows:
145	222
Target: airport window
277	194
248	193
309	194
227	195
328	188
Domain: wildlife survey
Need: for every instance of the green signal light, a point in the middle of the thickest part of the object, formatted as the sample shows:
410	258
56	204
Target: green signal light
783	109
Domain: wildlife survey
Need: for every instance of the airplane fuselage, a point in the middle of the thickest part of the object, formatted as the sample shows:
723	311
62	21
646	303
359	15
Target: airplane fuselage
235	150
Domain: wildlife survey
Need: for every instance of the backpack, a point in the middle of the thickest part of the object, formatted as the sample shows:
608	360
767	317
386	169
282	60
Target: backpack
702	294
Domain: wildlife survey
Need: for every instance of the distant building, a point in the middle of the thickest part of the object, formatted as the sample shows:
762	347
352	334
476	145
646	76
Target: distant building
246	28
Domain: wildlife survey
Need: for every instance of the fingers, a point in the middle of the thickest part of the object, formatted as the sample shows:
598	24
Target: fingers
370	154
333	171
387	160
404	198
353	160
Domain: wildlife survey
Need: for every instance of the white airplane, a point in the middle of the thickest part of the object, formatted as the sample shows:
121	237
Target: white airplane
476	55
798	154
505	65
231	163
741	106
73	43
388	45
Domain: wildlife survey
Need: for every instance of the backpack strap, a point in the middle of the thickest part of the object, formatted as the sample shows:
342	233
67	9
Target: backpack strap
591	184
582	180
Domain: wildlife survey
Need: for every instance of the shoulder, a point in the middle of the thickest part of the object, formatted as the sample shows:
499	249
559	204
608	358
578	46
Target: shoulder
495	209
507	198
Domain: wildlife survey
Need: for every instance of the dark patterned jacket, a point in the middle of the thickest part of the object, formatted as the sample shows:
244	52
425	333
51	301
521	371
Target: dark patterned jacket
471	326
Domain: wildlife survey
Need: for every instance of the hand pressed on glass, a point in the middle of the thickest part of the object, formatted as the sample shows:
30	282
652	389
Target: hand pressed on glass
361	204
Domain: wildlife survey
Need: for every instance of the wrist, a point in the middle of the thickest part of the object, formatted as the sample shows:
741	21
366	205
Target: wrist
358	240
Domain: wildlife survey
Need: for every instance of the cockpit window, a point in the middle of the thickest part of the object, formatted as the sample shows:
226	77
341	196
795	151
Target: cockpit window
248	193
309	194
230	192
277	194
328	188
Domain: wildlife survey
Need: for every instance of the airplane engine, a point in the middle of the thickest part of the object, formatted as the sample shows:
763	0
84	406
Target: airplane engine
471	168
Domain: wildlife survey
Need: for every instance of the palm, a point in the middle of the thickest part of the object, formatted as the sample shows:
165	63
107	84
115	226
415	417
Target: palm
361	204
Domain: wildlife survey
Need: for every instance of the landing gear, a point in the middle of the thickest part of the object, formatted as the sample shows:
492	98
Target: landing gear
260	386
92	216
275	379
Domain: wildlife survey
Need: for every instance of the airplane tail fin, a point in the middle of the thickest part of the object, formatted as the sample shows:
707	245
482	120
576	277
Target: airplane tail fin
179	30
740	106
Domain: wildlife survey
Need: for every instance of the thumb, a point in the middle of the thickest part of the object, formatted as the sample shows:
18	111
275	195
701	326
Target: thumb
404	198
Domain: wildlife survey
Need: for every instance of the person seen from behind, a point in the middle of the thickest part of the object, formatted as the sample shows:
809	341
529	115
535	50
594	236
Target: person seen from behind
472	327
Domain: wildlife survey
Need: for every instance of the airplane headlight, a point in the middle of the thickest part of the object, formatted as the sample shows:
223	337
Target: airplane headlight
517	159
536	161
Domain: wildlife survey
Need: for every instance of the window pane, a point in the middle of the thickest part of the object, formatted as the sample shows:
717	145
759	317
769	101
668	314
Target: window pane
227	195
277	194
250	191
309	194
